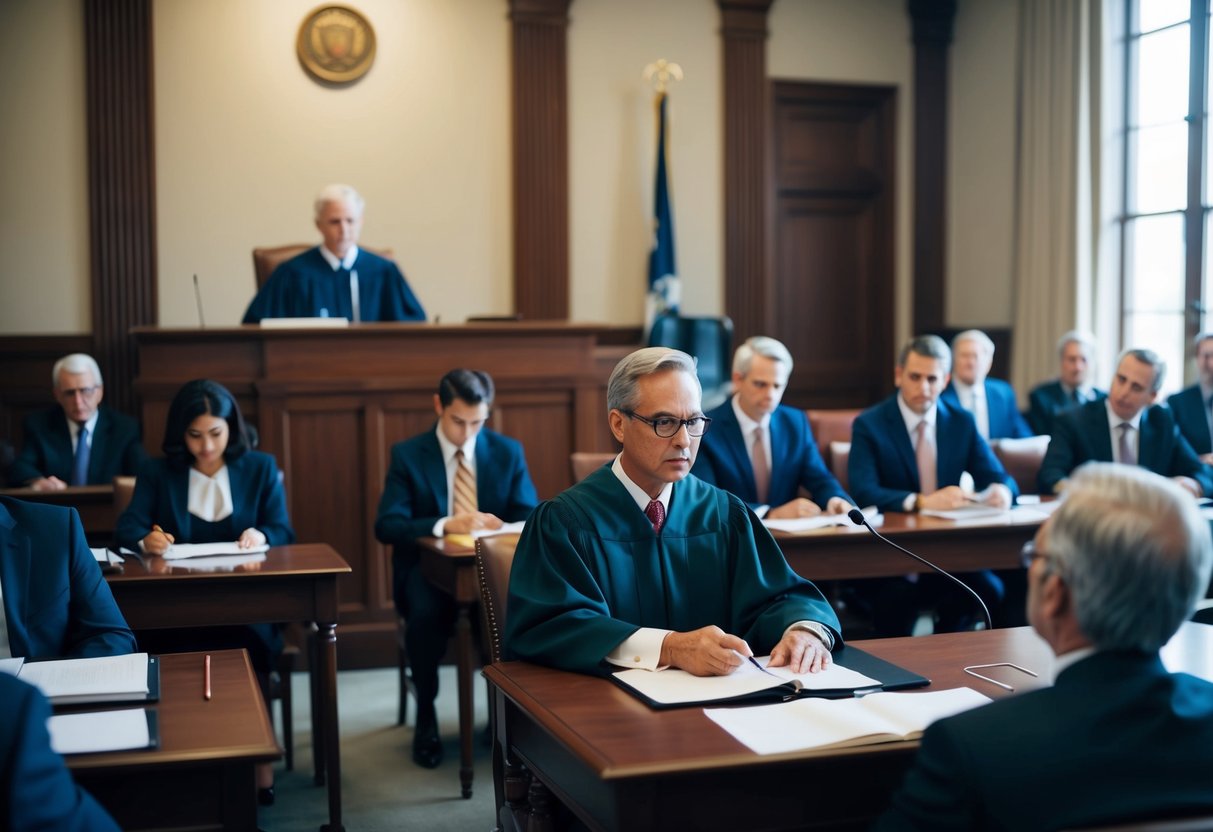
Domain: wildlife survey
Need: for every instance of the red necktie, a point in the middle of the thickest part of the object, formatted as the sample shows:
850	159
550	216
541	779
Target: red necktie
656	514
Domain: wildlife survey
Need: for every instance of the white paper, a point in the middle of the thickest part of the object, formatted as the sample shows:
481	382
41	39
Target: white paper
197	550
797	525
101	555
969	511
89	733
11	666
304	323
98	676
506	528
820	723
219	563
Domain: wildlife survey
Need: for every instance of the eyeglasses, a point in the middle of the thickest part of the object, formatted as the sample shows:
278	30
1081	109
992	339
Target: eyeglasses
667	426
1029	553
84	392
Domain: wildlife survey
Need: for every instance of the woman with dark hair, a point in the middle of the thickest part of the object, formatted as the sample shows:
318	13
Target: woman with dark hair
210	487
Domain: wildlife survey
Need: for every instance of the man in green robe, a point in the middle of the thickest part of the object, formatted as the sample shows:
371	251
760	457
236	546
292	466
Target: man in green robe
641	565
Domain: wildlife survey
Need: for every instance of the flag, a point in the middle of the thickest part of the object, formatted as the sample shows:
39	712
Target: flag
664	289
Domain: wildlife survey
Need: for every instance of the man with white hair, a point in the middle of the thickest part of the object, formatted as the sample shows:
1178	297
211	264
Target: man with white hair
990	400
1111	576
337	279
1072	387
1193	406
78	442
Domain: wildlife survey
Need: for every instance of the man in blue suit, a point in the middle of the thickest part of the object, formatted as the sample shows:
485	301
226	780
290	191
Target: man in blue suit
53	455
1076	352
761	450
458	478
1191	406
991	401
1116	739
907	454
56	603
36	789
1127	428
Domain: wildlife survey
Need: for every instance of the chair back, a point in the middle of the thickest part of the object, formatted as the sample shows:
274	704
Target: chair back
265	260
1022	459
584	463
494	557
124	490
710	340
839	458
831	426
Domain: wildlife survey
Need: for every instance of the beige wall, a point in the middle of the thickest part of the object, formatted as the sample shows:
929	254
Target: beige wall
43	164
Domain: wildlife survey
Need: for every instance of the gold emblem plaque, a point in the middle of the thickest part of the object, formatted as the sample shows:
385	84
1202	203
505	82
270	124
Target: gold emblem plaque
336	44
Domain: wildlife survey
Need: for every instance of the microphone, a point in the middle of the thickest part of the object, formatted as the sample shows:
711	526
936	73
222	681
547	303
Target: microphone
859	520
198	303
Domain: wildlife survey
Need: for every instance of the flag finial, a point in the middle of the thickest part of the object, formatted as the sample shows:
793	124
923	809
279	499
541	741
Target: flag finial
661	72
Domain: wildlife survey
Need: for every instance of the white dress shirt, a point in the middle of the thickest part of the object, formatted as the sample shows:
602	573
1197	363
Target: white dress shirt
347	262
1114	423
912	419
748	426
74	429
449	449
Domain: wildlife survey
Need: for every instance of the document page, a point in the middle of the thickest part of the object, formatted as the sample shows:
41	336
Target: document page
970	511
197	550
809	723
798	525
89	733
671	687
67	679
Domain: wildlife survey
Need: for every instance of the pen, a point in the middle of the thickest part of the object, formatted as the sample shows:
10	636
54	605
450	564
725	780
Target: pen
206	678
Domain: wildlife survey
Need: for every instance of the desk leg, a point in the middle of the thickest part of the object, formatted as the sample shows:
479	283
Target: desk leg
463	630
316	680
327	653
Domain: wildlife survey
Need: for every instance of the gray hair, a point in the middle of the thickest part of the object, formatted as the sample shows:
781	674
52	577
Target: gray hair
338	193
977	335
1134	551
743	359
928	346
1150	359
1075	336
625	378
1201	338
77	362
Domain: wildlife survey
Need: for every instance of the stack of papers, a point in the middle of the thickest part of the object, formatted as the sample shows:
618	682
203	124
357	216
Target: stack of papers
101	679
969	511
197	550
821	521
90	733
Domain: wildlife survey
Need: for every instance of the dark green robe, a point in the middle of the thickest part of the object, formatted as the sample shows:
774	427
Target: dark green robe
589	572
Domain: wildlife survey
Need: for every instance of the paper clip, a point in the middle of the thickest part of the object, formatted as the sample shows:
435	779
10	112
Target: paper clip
971	670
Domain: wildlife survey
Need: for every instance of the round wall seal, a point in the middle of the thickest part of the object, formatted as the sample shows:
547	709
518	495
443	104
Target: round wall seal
336	44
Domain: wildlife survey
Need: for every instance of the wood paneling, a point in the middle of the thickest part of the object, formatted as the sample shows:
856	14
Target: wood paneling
833	282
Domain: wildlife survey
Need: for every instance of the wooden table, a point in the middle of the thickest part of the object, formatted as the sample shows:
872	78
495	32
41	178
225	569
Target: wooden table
95	503
293	583
202	775
619	765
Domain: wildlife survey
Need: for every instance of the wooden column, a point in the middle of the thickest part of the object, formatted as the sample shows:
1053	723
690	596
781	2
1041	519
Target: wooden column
747	292
541	158
932	24
121	184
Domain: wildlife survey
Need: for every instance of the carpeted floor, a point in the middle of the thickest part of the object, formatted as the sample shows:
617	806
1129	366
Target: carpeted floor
381	788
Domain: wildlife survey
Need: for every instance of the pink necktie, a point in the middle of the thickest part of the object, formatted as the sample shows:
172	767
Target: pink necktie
925	454
1127	457
762	471
656	514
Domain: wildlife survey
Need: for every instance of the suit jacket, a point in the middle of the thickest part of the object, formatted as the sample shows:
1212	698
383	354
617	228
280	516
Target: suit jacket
56	601
1115	739
1047	400
46	449
1081	435
1188	409
1001	407
724	460
415	493
36	789
883	469
162	498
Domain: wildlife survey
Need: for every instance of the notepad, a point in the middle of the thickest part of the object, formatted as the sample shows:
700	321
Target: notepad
93	732
134	677
179	551
842	723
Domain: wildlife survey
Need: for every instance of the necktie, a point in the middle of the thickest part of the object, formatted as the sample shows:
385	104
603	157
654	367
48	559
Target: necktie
1076	396
1127	457
656	514
762	471
981	414
465	486
80	463
925	454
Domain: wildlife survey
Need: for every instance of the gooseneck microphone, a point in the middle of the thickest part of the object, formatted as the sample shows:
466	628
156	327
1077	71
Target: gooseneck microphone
859	520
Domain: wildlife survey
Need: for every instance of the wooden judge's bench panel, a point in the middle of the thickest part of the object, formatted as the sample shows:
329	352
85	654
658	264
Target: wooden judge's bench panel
330	403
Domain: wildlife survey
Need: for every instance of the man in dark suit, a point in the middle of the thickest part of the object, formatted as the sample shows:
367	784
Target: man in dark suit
52	455
56	603
1128	428
1191	406
36	789
763	451
991	401
1113	573
907	454
1076	352
458	478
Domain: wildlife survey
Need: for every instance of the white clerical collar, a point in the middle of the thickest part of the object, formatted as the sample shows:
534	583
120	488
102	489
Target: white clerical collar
912	419
1115	421
747	424
638	494
449	448
346	262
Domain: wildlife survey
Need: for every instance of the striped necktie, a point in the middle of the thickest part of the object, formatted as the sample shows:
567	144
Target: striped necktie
465	486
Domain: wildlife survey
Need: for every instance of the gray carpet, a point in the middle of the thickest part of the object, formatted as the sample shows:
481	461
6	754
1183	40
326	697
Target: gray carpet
381	788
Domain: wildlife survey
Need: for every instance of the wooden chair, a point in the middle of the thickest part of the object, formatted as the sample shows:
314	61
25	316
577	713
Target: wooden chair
584	463
1022	459
831	426
265	260
839	458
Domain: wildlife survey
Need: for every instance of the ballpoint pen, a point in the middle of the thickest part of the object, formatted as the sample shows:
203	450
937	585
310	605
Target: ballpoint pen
206	678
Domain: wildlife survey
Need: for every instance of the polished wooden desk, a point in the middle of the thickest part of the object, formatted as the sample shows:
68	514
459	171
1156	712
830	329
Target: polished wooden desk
293	583
95	503
201	777
618	765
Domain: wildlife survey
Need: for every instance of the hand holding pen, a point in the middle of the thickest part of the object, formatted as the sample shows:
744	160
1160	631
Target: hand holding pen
157	541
